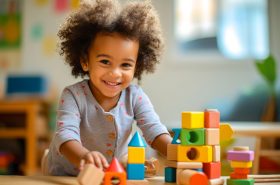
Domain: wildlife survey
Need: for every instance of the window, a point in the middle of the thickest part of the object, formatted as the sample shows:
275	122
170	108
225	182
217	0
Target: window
237	29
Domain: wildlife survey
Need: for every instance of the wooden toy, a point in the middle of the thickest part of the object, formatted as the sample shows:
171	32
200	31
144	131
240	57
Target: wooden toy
211	118
170	174
176	137
216	153
184	165
90	175
136	155
212	136
218	181
194	154
135	171
242	170
191	177
234	175
192	137
238	164
172	152
241	148
226	132
240	181
192	120
137	141
240	155
115	170
212	170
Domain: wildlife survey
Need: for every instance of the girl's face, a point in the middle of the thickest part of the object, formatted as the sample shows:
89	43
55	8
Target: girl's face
111	65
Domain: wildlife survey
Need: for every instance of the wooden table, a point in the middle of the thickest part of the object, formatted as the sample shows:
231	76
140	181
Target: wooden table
258	130
51	180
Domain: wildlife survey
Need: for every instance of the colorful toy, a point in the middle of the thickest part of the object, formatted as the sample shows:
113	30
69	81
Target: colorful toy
197	149
90	175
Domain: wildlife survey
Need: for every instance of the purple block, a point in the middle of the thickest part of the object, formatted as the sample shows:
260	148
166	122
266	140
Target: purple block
240	155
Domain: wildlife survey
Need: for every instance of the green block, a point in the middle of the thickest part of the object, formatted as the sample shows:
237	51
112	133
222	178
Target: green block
193	137
240	181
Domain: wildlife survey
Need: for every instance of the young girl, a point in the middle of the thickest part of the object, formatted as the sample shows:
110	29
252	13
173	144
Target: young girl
111	46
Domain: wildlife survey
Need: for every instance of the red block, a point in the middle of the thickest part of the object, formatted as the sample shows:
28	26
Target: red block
211	119
212	170
241	170
238	176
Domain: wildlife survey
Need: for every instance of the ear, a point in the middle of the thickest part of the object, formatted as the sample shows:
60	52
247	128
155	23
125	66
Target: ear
84	65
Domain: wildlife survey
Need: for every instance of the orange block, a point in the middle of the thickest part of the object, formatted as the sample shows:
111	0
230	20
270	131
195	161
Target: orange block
212	170
109	176
238	176
242	170
211	118
191	177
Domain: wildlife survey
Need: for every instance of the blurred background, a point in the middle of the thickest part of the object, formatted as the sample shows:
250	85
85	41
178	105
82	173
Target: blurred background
221	54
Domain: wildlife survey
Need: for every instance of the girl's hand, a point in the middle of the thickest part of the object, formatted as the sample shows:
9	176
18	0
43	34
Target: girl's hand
95	158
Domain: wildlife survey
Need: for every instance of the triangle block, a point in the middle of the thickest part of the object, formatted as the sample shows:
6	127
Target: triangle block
115	166
137	141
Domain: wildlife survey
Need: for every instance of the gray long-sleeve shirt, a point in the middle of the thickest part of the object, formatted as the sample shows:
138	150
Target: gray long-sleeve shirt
81	118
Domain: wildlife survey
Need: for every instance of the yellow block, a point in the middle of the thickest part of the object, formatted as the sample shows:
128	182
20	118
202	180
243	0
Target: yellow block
239	164
192	120
194	154
136	155
226	132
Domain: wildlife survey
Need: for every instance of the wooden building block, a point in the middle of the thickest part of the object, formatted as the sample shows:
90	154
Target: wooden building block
233	155
212	170
226	132
192	120
184	165
137	182
191	177
240	181
241	148
211	118
216	153
241	170
192	137
176	137
136	155
219	181
194	154
135	171
114	172
170	174
212	136
90	175
238	176
238	164
172	150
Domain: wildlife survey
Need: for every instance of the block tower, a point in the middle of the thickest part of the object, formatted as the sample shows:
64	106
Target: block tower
136	158
241	161
194	154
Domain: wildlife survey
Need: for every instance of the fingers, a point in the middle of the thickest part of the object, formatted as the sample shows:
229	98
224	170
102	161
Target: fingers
95	158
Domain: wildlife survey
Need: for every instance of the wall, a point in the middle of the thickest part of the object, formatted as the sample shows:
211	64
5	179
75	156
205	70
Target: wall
179	84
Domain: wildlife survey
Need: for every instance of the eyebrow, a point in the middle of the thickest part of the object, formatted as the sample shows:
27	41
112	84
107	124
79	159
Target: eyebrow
108	56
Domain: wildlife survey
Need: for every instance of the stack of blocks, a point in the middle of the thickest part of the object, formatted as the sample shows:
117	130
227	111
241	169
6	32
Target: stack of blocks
241	161
194	154
136	158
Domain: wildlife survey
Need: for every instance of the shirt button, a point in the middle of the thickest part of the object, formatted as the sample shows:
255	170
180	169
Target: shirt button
109	118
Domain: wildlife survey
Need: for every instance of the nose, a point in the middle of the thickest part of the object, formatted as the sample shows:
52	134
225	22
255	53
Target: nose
116	72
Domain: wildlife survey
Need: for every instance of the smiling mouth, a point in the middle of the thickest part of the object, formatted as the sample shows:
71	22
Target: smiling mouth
111	83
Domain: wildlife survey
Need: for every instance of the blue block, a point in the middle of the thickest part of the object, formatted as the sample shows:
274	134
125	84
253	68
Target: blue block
135	171
137	141
176	138
170	174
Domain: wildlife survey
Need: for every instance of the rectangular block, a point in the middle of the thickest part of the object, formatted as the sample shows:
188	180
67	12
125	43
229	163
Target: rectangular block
172	150
212	118
184	165
192	120
219	181
240	181
238	176
242	170
170	174
135	171
212	136
90	175
136	155
193	137
233	155
212	170
194	154
216	153
238	164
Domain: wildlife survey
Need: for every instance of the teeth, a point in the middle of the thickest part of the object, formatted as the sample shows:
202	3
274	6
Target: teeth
112	83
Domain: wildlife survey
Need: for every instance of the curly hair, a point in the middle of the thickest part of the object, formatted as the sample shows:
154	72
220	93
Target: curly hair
136	20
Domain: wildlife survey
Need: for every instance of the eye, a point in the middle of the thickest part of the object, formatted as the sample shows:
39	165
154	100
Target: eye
127	65
104	61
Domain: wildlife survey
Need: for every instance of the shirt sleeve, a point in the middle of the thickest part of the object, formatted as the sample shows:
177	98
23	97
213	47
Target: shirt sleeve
146	118
68	120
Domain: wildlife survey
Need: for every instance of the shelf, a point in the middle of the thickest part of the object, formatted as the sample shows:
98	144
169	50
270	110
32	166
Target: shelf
272	153
12	133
